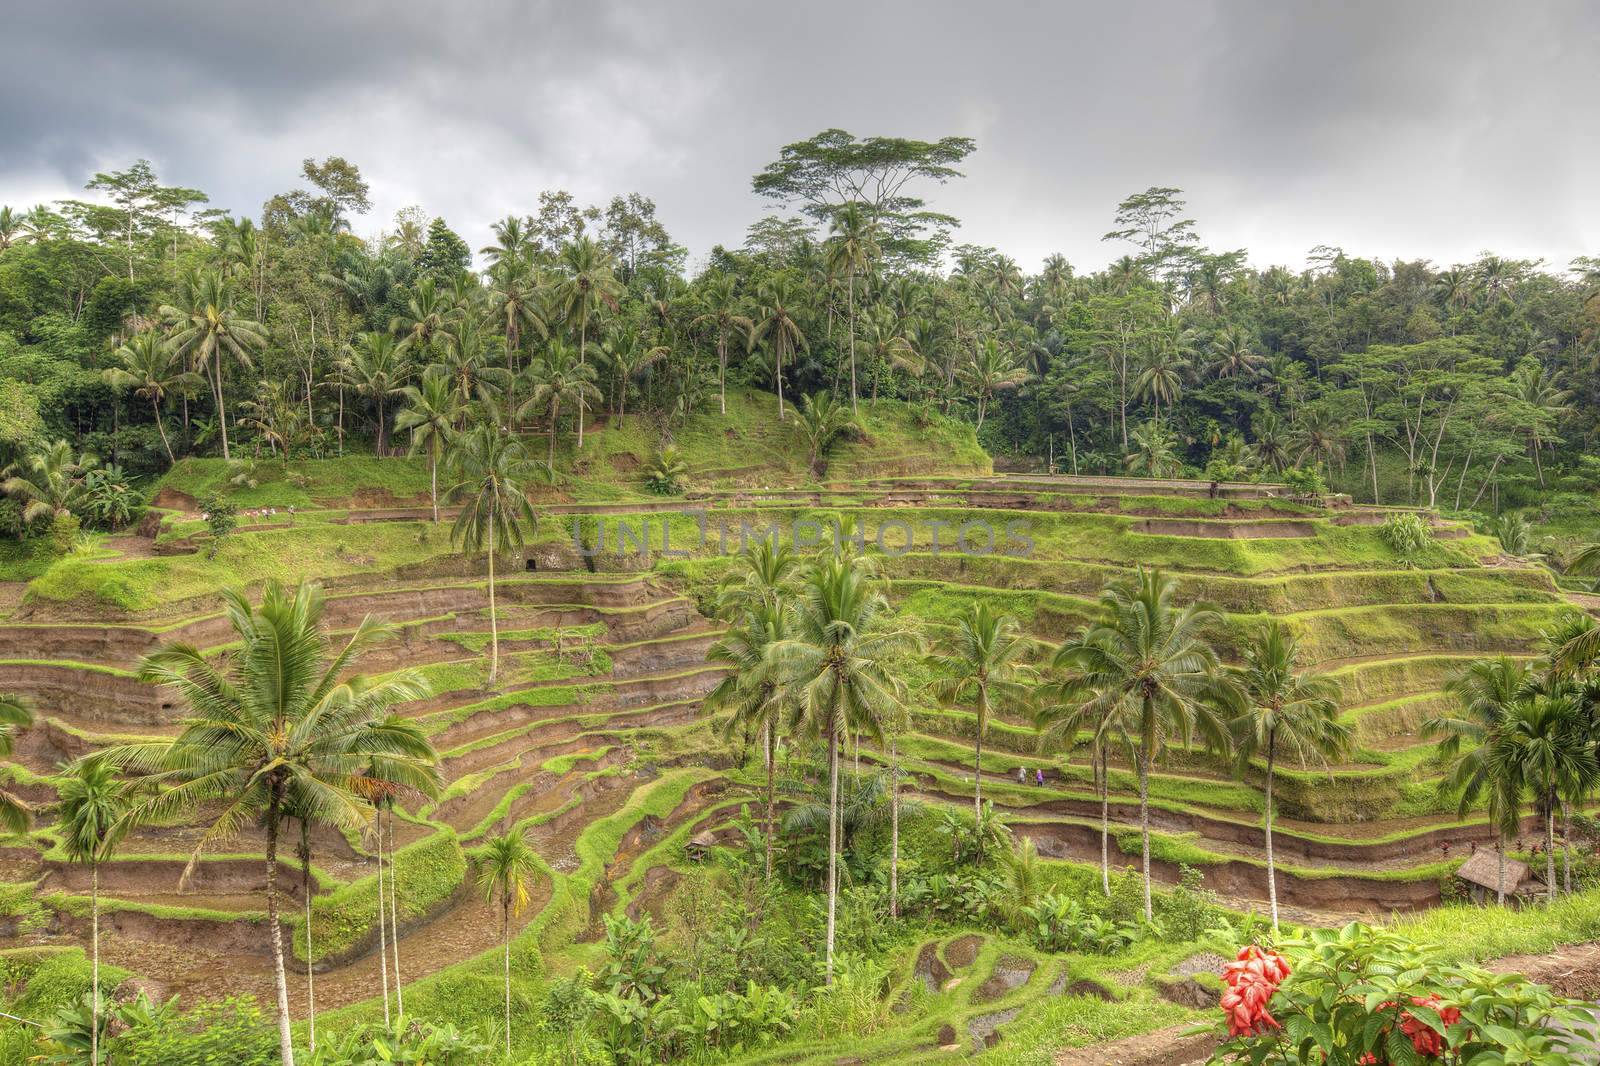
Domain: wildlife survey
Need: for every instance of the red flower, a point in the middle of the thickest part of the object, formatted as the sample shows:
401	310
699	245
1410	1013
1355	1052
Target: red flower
1252	979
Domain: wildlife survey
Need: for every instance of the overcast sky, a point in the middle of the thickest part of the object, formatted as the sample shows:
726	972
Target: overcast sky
1432	130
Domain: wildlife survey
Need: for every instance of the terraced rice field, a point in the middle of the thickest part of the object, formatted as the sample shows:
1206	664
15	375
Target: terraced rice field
595	741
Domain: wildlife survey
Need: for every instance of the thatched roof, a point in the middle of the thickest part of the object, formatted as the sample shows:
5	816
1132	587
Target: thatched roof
703	840
1483	869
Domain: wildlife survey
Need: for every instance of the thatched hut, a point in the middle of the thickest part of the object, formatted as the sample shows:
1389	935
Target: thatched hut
1481	873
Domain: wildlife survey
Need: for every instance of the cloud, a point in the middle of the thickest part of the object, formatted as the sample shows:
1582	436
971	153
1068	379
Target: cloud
1428	129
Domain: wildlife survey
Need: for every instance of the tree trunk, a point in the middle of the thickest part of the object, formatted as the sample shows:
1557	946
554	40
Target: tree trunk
433	475
394	921
833	842
722	373
1550	850
1500	879
311	977
1566	849
1144	823
772	797
1272	875
778	375
380	441
156	407
977	774
285	1038
494	625
894	828
555	416
383	928
852	285
582	340
505	937
222	412
1102	775
94	979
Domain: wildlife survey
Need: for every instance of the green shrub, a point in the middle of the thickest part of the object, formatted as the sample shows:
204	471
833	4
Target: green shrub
1407	534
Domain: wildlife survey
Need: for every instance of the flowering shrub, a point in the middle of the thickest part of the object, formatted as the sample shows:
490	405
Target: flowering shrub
1364	997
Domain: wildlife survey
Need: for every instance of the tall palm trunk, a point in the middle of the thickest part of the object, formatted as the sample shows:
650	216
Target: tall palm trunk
852	288
94	978
1272	874
1566	848
505	938
222	411
778	348
311	977
722	373
555	416
433	475
583	338
772	797
285	1038
977	770
833	841
494	625
1102	781
383	929
1144	822
894	828
1550	849
155	406
394	920
1500	879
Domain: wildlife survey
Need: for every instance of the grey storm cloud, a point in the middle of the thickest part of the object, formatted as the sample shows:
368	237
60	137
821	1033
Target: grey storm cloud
1417	129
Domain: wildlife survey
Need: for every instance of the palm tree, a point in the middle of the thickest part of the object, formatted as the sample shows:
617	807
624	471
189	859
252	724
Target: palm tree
492	472
776	324
514	295
1154	452
558	379
888	347
92	820
15	812
1544	399
277	721
982	663
1485	692
852	246
1145	663
835	672
208	327
628	357
822	420
430	415
150	367
1280	708
750	690
589	286
429	317
507	866
1065	708
721	302
49	482
1162	377
1543	748
378	368
764	574
989	370
1234	357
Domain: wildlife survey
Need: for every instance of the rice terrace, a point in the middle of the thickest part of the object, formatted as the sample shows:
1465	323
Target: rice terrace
533	641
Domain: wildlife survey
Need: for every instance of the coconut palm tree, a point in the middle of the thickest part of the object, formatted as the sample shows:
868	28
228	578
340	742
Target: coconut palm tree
92	819
852	246
1484	694
1064	709
764	573
50	482
207	328
432	408
1277	708
514	298
982	662
274	721
822	420
492	472
15	812
378	368
1543	749
775	324
151	367
722	313
990	369
628	357
590	285
1146	663
888	347
835	671
507	868
750	691
430	318
1233	356
558	379
1161	380
1154	452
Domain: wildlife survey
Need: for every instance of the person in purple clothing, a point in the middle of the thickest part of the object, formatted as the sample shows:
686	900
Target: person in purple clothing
1038	776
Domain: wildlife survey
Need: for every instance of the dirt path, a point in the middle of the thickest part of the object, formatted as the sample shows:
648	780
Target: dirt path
1165	1047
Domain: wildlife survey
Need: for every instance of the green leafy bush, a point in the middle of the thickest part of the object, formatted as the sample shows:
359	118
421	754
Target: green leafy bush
1407	534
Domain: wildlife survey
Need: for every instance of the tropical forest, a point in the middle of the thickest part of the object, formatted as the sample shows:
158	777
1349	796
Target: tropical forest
840	646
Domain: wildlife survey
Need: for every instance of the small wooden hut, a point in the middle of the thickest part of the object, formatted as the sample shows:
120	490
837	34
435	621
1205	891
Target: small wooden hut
700	846
1481	873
